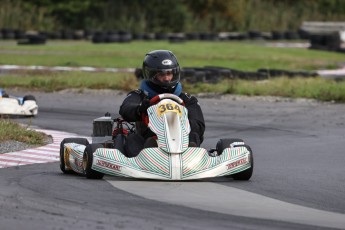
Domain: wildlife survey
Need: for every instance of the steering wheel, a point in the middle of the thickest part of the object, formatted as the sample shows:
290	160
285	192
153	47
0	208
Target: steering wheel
160	97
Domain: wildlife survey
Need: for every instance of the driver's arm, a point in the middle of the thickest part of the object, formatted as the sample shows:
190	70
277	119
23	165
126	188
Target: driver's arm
195	115
129	107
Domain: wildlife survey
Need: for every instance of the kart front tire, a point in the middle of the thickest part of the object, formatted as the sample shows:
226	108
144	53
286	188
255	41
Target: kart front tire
87	162
225	143
246	174
82	141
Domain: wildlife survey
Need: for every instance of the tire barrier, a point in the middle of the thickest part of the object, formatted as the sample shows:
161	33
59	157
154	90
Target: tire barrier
280	73
291	35
7	33
213	74
138	72
327	36
208	74
19	34
254	34
176	39
32	39
111	36
126	36
329	42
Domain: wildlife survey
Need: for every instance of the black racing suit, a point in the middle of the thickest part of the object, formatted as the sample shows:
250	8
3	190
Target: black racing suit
129	112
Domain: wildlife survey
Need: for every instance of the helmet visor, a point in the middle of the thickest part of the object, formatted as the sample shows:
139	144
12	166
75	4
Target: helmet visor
165	77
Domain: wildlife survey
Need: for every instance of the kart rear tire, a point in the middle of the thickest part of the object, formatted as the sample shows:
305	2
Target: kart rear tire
246	174
81	141
87	162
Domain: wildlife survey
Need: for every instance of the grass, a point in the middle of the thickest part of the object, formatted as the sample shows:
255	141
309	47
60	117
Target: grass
10	130
311	88
54	81
247	56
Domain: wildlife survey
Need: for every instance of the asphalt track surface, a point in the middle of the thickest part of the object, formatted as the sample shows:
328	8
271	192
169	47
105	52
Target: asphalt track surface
298	180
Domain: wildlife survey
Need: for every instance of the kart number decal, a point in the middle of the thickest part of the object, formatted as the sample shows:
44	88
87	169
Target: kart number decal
169	107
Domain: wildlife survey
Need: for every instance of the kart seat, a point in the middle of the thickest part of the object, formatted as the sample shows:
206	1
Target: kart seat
134	144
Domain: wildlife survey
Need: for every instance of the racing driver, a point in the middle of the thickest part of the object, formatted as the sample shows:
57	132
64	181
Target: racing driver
161	72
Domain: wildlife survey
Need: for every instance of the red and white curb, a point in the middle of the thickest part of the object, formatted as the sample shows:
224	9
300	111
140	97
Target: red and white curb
43	154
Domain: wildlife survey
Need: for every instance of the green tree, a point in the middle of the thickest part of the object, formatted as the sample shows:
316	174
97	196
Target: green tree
70	14
24	15
218	15
143	16
167	15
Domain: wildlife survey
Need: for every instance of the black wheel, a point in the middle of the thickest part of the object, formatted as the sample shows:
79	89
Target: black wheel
87	162
246	174
225	143
29	98
81	141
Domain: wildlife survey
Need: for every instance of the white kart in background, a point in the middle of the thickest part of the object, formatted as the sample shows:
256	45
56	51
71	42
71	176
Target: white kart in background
173	159
22	106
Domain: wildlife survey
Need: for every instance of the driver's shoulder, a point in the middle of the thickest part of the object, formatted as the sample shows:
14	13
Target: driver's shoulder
139	92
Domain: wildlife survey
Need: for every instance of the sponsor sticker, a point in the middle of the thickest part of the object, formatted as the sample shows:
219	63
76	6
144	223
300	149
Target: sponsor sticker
241	161
109	165
167	62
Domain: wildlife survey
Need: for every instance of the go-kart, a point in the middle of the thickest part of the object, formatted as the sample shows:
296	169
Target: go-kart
172	159
22	106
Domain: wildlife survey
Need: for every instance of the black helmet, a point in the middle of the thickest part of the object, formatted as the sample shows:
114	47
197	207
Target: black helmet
161	61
